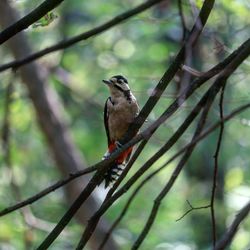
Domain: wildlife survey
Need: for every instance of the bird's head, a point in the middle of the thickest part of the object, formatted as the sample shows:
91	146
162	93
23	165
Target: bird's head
118	85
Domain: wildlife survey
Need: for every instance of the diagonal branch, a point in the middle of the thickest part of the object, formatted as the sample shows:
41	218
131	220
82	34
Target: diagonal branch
220	81
83	36
176	172
172	70
161	152
98	177
95	218
159	89
47	190
96	166
176	155
29	19
48	109
173	107
232	230
72	176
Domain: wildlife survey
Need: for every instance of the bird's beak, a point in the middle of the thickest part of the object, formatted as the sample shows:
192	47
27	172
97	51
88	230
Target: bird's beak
107	82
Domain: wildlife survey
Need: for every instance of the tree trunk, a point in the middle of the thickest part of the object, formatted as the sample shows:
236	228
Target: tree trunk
49	115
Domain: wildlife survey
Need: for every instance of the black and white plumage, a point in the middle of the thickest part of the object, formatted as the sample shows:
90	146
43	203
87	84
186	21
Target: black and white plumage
120	110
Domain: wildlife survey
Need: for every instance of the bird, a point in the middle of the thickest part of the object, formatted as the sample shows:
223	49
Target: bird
121	108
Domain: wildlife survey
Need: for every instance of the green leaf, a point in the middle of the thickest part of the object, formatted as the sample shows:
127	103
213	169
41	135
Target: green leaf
46	20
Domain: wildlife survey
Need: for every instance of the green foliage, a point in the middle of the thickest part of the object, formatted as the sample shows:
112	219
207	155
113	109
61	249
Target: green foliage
140	49
46	20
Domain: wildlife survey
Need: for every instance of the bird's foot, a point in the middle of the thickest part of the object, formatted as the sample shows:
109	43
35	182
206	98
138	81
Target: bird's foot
106	155
118	144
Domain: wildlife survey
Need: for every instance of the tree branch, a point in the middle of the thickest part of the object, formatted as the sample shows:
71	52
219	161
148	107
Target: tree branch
181	151
192	208
98	177
83	36
173	107
182	18
49	113
171	71
29	19
60	183
47	190
216	155
176	172
232	230
158	154
220	81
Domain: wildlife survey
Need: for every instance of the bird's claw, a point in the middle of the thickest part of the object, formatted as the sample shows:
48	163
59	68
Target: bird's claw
118	144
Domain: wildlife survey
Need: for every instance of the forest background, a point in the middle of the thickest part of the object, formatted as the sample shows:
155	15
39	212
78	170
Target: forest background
187	64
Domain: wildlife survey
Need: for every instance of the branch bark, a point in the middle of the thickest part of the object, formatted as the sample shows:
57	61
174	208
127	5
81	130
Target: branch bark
237	59
29	19
83	36
49	115
232	230
47	190
178	169
171	71
174	157
216	167
243	49
173	139
169	74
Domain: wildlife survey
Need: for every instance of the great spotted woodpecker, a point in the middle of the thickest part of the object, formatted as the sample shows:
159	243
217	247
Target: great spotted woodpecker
120	110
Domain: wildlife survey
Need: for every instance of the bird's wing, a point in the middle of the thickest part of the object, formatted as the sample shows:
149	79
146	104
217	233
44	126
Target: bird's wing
106	117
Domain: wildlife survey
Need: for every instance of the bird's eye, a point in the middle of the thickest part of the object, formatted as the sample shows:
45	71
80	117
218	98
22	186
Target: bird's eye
120	81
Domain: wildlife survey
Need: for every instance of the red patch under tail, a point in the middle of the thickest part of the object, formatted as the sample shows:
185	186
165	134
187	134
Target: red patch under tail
115	170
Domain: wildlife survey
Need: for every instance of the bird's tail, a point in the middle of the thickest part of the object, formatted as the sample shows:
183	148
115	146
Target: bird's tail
118	166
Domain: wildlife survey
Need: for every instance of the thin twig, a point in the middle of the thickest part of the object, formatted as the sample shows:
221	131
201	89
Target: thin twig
30	200
171	71
181	151
222	78
216	165
47	190
98	177
183	22
197	140
29	19
176	172
94	220
192	209
164	149
83	36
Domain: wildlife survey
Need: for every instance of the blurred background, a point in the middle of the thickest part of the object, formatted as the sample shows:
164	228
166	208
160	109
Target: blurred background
140	49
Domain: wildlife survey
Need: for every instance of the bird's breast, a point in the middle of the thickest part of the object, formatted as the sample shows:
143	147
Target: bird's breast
121	114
